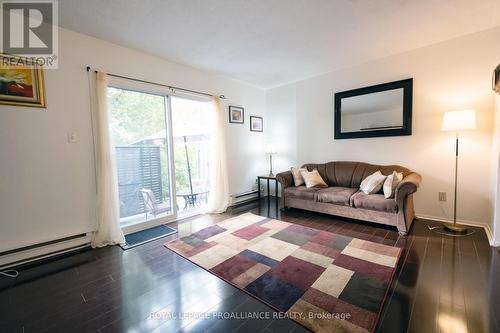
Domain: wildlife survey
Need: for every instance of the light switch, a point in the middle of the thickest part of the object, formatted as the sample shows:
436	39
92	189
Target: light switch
72	137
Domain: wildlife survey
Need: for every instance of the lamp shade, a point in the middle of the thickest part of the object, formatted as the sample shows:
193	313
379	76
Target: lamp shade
459	120
270	149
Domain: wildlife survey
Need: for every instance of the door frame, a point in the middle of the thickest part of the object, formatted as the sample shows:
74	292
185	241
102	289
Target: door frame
167	94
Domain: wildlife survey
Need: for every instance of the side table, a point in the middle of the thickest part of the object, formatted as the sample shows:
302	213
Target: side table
268	179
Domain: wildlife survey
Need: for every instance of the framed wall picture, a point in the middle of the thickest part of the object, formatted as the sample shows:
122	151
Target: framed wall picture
236	114
21	82
256	124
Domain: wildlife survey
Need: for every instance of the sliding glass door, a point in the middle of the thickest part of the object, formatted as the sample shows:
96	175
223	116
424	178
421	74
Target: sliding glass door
162	149
139	130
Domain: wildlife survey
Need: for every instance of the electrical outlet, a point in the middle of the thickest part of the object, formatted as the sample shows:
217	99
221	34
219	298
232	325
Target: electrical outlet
442	196
72	137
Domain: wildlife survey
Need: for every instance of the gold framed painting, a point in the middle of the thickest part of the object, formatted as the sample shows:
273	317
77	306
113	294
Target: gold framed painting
21	82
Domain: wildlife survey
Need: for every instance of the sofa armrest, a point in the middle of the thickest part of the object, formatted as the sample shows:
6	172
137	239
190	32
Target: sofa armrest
404	201
285	179
407	186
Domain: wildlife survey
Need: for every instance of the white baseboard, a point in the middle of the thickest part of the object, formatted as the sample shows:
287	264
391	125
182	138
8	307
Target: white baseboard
485	226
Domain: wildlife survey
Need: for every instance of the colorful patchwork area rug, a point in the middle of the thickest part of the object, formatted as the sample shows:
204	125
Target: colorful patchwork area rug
325	281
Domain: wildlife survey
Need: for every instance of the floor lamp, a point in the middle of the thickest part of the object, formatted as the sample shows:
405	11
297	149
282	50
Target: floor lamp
457	121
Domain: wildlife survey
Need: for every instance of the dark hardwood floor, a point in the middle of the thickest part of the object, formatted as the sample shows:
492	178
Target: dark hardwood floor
442	284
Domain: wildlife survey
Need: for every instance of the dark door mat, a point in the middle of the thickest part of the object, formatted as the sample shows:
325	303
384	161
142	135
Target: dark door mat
145	236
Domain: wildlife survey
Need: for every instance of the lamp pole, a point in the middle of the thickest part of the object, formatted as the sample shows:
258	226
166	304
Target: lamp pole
453	227
456	181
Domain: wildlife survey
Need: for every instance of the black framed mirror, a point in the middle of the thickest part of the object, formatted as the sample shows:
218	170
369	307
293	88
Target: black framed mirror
375	111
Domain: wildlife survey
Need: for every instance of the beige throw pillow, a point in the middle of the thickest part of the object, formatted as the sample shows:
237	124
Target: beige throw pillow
297	177
313	179
367	179
373	183
391	183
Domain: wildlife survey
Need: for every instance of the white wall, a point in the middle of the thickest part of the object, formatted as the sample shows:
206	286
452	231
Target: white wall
281	125
47	187
281	128
452	75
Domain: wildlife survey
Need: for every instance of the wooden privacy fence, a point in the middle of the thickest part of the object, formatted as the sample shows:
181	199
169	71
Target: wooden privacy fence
137	167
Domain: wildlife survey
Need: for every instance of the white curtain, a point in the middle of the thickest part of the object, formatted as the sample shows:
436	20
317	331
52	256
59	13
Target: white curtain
108	213
218	199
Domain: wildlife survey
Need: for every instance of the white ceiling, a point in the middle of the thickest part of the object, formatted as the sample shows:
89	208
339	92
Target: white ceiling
272	42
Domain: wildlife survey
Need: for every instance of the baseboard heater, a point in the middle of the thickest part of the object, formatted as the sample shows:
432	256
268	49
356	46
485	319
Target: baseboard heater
43	250
245	194
243	198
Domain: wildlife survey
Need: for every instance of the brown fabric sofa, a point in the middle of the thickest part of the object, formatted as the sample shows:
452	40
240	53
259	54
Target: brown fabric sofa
343	198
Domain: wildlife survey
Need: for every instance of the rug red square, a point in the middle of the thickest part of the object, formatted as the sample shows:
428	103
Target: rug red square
297	272
250	232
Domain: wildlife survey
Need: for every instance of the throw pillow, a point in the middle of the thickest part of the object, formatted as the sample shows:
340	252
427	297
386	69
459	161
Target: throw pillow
373	183
367	179
297	177
391	183
313	179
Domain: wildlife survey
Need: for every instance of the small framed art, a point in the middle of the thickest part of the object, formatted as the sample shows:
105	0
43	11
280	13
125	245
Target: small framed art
236	114
256	124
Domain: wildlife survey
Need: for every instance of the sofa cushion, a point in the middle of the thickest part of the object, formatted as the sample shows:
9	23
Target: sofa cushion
335	194
374	202
301	192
